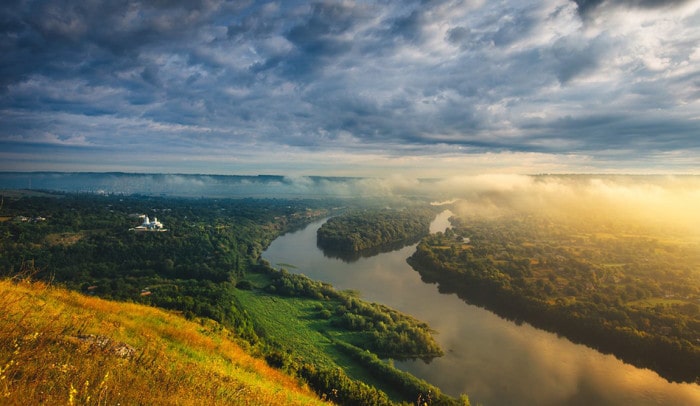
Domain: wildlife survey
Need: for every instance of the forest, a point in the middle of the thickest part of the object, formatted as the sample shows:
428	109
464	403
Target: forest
207	264
619	287
368	232
85	242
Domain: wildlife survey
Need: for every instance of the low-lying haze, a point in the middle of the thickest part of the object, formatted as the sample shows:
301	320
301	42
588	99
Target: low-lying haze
667	201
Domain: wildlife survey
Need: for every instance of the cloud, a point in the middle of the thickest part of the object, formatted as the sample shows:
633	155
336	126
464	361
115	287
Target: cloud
557	78
587	6
665	202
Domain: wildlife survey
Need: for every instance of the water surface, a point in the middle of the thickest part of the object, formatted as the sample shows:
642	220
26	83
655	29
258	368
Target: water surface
494	361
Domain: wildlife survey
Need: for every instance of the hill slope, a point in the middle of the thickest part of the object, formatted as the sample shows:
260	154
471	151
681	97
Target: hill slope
61	347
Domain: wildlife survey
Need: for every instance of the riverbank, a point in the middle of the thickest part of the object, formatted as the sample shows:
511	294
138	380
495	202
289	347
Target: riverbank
335	341
492	359
560	277
675	363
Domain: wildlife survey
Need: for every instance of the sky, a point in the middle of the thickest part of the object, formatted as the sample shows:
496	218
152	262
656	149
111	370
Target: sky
350	88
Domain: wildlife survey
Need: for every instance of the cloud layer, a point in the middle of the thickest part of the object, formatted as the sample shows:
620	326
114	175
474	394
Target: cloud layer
350	87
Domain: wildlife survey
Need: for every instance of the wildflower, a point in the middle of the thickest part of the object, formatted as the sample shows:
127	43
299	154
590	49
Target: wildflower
5	368
71	395
104	380
86	390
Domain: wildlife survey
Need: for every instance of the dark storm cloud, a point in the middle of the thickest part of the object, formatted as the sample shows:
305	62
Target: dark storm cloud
324	38
586	6
570	58
217	77
407	27
46	35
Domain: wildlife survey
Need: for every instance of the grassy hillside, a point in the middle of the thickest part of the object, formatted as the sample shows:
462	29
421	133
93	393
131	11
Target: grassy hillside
61	347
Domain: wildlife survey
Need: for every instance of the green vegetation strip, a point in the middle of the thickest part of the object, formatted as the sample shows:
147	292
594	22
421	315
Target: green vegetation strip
308	322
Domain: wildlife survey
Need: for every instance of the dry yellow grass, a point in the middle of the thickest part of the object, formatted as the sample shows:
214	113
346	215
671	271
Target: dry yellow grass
60	347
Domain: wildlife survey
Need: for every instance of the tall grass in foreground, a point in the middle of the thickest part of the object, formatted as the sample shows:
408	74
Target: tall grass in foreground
60	347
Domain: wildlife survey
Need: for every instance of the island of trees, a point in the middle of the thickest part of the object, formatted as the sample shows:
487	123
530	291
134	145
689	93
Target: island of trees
618	287
371	231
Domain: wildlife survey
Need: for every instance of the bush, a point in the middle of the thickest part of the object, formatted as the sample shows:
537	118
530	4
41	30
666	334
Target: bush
244	285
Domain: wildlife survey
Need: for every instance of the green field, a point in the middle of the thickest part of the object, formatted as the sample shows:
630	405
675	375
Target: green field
294	325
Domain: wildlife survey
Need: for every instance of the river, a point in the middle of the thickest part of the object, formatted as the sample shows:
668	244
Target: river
494	361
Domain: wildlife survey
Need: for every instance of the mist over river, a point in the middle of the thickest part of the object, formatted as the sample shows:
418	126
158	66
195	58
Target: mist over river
494	361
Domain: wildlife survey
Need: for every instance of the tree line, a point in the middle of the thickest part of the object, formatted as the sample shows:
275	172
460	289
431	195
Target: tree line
370	229
620	290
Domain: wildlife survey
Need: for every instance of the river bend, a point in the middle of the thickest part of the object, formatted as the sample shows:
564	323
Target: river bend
494	361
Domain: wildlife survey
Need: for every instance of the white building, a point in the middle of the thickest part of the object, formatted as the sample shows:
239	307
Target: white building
149	225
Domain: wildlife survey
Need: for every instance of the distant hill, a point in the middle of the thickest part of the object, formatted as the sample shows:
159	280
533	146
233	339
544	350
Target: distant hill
61	347
182	185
